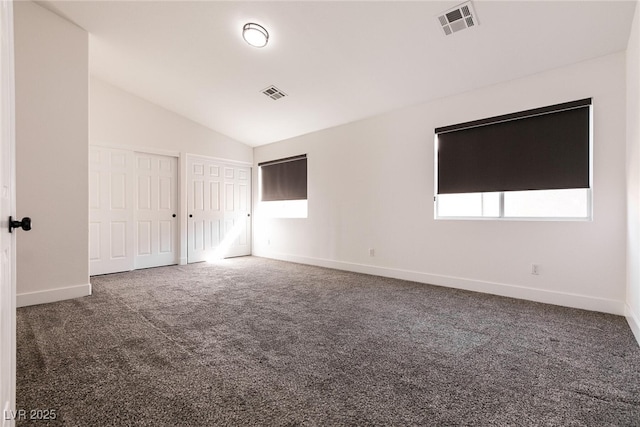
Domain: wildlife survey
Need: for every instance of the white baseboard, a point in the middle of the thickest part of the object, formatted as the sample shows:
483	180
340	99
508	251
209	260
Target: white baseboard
52	295
564	299
634	322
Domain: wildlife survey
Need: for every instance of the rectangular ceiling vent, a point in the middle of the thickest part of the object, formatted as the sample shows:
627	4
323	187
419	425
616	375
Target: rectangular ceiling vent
459	18
274	93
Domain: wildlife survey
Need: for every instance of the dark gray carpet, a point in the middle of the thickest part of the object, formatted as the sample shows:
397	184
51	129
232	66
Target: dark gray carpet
253	341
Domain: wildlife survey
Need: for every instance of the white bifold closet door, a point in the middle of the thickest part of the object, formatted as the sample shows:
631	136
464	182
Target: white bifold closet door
133	197
219	208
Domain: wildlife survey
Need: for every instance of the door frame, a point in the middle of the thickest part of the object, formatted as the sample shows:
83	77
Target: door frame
7	287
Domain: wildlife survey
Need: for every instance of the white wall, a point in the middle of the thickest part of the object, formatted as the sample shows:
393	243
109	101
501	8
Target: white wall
51	67
633	176
371	185
121	120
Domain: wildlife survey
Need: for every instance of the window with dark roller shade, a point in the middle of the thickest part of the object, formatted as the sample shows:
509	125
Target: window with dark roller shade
534	163
541	149
284	179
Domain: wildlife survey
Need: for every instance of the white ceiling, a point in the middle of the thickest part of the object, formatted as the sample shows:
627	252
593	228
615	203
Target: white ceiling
337	61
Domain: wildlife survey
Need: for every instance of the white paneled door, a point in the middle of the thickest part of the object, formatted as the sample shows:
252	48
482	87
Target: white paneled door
7	208
237	211
156	199
219	206
133	199
111	210
205	199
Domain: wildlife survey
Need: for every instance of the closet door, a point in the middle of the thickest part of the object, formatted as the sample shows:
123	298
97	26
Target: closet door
205	201
133	199
237	211
111	211
156	210
219	205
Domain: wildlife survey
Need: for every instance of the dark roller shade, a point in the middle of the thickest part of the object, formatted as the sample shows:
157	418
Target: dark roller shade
517	152
284	179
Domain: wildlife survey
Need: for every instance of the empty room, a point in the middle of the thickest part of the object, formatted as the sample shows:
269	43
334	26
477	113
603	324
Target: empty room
320	213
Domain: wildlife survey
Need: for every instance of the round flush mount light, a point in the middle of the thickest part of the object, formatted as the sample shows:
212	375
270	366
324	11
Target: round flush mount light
255	35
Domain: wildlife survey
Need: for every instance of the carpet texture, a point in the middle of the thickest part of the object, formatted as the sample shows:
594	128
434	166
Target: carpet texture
252	341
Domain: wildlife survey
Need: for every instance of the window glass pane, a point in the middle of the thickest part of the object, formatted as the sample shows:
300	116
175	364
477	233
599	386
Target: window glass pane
491	204
469	205
571	203
283	209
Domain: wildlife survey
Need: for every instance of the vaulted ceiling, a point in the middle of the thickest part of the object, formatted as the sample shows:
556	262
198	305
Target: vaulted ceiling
336	61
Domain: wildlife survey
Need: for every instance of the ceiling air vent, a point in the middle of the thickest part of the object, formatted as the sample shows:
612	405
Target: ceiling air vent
456	19
274	93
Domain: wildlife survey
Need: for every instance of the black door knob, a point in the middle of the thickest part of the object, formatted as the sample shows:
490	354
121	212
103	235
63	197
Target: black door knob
190	216
174	215
25	224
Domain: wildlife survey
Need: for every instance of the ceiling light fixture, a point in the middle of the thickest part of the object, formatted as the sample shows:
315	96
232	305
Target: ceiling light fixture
255	35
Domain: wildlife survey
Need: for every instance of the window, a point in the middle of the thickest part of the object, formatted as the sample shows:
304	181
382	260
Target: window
531	164
283	187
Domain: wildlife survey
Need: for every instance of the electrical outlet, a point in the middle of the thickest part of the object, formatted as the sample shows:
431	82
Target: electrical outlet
535	269
372	252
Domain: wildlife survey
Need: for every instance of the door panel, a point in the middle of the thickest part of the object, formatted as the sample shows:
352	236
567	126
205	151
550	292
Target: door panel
118	240
110	215
166	237
219	208
94	244
214	196
156	209
204	210
238	210
144	238
7	208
